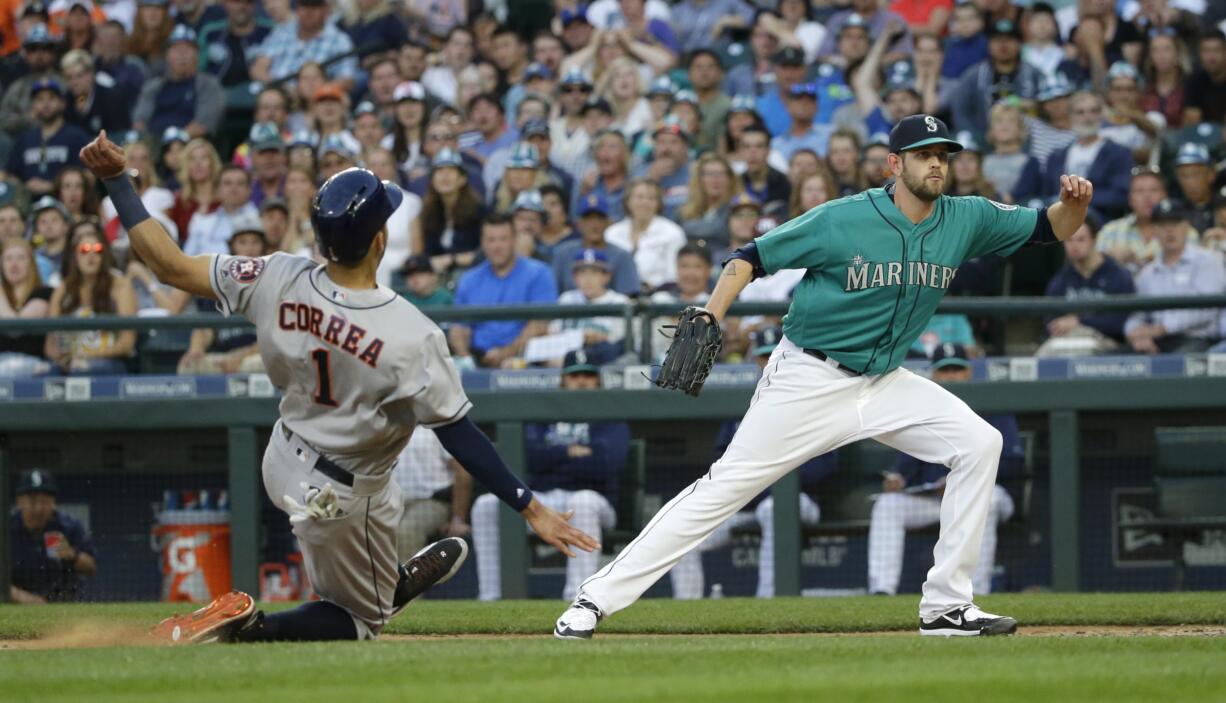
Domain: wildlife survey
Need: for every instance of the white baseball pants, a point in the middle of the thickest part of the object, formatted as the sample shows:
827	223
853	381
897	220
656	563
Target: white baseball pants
895	513
593	515
687	576
802	408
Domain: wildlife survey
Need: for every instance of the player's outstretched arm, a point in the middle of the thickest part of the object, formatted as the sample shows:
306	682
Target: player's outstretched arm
737	274
469	445
149	239
1069	214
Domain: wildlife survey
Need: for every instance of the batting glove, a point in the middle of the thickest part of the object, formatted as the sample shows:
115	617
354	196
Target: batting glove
317	504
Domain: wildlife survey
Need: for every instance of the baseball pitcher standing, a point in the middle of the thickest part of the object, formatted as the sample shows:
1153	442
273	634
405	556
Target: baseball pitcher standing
876	266
358	367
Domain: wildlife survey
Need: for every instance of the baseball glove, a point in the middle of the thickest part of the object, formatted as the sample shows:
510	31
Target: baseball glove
697	340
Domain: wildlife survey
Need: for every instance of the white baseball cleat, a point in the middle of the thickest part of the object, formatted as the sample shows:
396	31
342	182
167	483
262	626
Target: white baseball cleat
579	621
967	621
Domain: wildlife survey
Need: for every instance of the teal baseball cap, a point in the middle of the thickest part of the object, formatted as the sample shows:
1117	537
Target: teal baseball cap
919	131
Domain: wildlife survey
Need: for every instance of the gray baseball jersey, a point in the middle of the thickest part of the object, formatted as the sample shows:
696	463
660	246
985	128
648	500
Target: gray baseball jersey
357	369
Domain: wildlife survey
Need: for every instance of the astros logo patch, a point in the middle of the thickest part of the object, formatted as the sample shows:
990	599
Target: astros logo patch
245	270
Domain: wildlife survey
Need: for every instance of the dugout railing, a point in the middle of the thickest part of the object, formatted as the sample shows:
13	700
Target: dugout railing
1061	401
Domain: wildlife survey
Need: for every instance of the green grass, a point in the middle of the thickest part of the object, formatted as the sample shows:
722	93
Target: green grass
684	668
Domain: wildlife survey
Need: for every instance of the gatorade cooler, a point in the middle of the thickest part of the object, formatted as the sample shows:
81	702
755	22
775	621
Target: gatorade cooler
195	549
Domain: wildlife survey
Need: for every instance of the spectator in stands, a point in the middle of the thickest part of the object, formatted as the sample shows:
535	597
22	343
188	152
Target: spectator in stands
92	105
1166	70
52	552
966	171
713	185
228	43
75	191
1054	129
536	132
522	173
814	189
1002	74
803	163
25	297
437	493
299	192
91	287
687	576
706	74
652	239
199	173
383	75
301	150
1016	176
571	141
504	278
183	98
1087	274
608	179
1106	164
843	160
373	29
274	215
934	89
451	215
337	152
877	21
592	219
209	233
1195	173
457	53
1180	269
1205	92
309	37
40	152
911	497
876	158
268	162
573	467
1132	241
621	85
12	222
1127	125
528	220
50	235
408	129
421	284
885	93
195	14
1042	49
760	179
329	111
645	22
110	59
603	337
789	70
803	133
670	165
967	44
174	141
492	131
39	50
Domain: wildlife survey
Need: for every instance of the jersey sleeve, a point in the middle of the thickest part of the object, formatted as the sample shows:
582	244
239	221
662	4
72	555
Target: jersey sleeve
248	286
998	228
797	244
436	396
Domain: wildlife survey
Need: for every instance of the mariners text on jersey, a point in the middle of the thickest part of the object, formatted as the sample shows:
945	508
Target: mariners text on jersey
919	273
302	317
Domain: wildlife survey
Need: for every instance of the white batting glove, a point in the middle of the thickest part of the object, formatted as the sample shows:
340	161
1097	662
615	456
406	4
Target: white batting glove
317	504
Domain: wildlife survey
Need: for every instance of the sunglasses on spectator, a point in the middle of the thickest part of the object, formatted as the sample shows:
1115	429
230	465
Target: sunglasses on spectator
90	247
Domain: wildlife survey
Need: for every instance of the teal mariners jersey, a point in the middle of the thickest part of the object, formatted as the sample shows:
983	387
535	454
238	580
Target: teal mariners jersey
873	278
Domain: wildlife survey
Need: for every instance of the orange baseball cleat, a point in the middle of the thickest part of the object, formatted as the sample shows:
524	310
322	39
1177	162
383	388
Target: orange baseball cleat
216	622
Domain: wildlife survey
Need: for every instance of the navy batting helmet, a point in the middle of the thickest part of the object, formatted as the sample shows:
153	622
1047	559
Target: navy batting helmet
349	210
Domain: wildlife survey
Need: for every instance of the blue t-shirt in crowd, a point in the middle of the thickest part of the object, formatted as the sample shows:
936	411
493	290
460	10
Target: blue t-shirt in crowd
962	53
529	281
34	157
37	573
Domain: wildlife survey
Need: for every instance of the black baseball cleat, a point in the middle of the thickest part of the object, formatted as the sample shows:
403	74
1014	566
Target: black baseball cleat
967	621
433	565
579	621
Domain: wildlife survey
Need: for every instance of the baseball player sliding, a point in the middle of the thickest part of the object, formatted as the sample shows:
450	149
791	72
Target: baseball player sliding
358	367
876	266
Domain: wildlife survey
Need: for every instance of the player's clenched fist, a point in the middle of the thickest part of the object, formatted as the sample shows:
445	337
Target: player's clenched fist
1076	191
103	157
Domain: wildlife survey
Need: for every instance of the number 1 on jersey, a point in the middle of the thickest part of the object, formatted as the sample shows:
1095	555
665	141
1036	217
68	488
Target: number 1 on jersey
323	373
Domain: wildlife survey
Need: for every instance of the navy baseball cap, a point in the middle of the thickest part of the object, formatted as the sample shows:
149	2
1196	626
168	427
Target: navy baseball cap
524	155
576	76
537	70
593	203
419	263
661	86
789	56
804	90
577	14
1192	153
36	481
741	200
1168	210
535	127
579	361
182	33
49	84
175	134
594	258
762	342
743	103
948	355
919	131
40	36
1004	28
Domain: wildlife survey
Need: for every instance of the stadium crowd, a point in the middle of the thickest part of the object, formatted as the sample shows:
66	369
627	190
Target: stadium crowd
585	154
